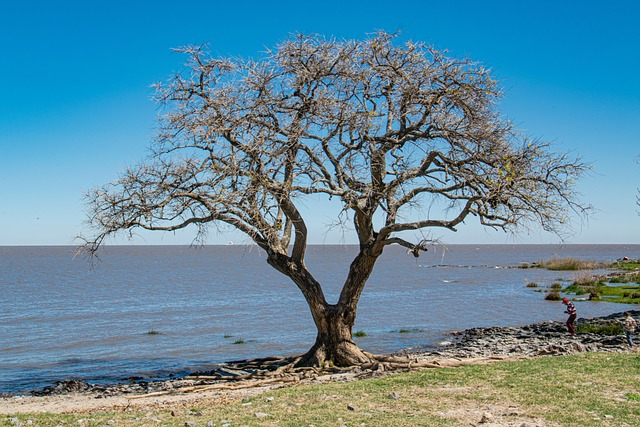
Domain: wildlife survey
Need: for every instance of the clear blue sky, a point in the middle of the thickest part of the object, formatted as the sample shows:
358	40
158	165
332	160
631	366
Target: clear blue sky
75	105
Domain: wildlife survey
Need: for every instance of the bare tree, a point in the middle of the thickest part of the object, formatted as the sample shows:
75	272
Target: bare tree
382	126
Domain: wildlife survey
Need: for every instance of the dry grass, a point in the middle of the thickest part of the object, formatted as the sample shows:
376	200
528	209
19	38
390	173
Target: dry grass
570	264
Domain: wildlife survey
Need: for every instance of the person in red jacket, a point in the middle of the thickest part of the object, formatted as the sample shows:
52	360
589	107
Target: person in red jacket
571	311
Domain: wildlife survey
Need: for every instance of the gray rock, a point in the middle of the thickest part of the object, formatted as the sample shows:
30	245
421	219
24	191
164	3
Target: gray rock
261	415
545	338
487	417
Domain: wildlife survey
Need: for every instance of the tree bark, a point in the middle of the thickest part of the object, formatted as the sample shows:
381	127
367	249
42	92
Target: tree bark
334	322
334	343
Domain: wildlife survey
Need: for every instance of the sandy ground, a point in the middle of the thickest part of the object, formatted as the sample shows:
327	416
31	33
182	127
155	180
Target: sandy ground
83	402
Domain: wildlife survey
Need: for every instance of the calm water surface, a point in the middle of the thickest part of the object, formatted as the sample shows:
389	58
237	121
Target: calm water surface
61	319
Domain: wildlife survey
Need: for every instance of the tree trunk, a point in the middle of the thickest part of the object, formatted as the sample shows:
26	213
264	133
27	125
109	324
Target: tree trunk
334	343
334	322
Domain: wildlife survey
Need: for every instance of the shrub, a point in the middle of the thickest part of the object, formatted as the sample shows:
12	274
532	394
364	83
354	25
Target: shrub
360	334
635	295
553	296
594	293
532	285
570	264
240	341
585	279
556	287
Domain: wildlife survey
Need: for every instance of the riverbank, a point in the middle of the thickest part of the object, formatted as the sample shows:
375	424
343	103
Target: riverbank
542	339
468	347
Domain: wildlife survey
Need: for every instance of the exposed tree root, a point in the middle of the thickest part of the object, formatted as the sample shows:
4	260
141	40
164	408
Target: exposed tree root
279	371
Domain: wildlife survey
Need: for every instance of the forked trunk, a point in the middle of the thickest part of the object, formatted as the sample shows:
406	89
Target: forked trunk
334	342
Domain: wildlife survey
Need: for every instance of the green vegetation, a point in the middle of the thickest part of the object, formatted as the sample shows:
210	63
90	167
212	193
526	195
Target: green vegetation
153	332
532	285
601	290
406	331
626	278
360	334
633	396
610	328
239	341
588	390
596	287
630	265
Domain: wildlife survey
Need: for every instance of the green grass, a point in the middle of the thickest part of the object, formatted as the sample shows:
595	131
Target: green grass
626	265
610	328
597	287
360	334
625	294
153	332
595	389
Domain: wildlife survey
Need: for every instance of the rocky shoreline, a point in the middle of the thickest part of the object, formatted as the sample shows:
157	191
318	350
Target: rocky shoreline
543	339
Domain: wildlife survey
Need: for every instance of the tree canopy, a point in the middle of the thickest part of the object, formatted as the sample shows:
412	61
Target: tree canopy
387	128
